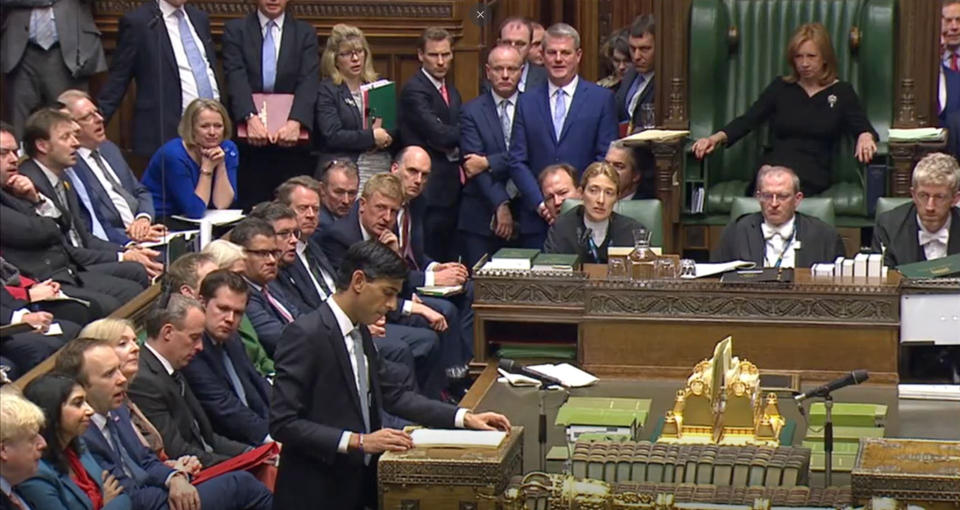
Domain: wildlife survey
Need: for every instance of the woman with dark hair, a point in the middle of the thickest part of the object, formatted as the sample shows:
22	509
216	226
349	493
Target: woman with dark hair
68	477
808	111
616	51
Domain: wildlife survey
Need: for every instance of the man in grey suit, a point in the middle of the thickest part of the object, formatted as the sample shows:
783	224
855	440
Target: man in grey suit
46	47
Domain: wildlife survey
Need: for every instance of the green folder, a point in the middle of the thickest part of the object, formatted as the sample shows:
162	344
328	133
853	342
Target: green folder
601	411
381	103
849	415
937	268
557	260
516	253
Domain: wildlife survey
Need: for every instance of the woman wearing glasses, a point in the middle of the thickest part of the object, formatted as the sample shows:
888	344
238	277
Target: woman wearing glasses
348	63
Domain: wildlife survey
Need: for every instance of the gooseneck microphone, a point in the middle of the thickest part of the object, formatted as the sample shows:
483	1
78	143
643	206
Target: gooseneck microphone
512	366
855	377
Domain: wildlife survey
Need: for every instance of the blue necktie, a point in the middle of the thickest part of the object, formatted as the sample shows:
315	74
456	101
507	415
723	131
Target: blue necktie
505	123
234	377
96	227
198	64
269	58
559	112
632	93
130	466
43	28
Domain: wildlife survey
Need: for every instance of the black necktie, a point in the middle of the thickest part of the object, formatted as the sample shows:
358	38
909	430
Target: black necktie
115	183
314	267
194	426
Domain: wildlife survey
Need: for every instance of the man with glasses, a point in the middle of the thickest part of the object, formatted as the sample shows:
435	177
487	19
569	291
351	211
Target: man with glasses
339	186
929	227
123	206
779	236
518	33
269	308
270	51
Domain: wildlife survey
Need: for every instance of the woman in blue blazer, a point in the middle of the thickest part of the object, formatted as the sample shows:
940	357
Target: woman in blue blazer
68	477
197	170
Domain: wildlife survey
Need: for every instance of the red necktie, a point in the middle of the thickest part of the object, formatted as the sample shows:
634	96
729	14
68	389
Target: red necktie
446	97
953	62
16	501
407	249
277	306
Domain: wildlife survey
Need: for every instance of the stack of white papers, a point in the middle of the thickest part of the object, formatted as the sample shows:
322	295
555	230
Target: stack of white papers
930	391
568	375
457	438
212	218
656	135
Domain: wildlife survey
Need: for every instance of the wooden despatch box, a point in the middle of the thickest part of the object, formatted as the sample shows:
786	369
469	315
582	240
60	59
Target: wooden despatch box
449	478
914	470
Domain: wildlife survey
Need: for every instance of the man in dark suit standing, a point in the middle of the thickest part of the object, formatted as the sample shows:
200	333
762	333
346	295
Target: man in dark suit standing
778	236
518	33
123	206
166	47
270	51
117	448
233	394
636	88
928	228
331	387
568	120
174	338
46	47
430	117
22	446
486	221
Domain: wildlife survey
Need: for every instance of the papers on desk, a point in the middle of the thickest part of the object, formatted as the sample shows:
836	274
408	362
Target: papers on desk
930	391
440	290
568	375
212	218
655	135
518	380
457	438
712	269
186	234
928	134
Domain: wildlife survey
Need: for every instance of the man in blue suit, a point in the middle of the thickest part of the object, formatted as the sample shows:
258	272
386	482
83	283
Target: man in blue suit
123	206
167	48
151	484
486	221
234	395
568	120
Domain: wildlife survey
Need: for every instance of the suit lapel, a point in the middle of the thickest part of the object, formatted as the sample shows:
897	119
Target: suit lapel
913	236
255	50
347	97
339	346
576	103
803	255
429	84
166	47
755	242
492	115
545	113
287	39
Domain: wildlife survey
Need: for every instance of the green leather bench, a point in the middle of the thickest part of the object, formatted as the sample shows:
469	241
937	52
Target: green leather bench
737	47
648	212
821	208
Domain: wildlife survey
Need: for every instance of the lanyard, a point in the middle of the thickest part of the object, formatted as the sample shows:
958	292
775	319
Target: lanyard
593	249
786	246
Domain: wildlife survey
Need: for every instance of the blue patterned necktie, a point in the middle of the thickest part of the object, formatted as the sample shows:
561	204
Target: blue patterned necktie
96	228
559	112
269	58
233	376
505	121
43	28
198	64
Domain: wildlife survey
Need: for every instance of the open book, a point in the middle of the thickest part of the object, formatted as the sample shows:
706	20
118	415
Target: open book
457	438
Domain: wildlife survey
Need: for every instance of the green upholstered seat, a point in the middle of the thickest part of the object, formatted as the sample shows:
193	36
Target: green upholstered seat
648	212
726	78
821	208
885	204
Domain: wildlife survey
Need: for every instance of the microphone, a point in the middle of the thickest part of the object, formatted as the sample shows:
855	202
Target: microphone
512	366
855	377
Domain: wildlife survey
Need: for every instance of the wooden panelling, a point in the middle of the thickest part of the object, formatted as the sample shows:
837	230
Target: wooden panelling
918	60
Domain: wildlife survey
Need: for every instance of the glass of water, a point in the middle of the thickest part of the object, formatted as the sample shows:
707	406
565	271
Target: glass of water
617	269
648	115
688	268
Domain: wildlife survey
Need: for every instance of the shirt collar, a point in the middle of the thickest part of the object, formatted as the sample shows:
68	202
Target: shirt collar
256	286
264	20
948	53
945	227
568	89
100	421
301	247
785	228
52	177
363	230
163	361
343	321
5	486
166	9
436	83
497	98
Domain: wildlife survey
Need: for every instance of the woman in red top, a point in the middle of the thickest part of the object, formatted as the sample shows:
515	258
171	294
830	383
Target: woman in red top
68	477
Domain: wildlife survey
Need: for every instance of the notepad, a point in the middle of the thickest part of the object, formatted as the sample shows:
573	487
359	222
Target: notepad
569	375
457	438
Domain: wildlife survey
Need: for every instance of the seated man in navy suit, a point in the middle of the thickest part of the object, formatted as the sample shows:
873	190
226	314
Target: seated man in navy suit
123	206
486	221
568	120
234	395
111	438
557	183
339	186
268	307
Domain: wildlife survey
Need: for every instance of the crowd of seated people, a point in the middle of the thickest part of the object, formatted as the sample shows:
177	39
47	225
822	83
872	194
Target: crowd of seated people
126	422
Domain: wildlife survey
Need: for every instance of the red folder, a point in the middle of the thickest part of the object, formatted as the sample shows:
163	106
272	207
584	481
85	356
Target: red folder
242	462
277	111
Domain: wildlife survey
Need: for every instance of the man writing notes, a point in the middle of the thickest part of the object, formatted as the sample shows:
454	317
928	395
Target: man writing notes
779	236
331	387
567	120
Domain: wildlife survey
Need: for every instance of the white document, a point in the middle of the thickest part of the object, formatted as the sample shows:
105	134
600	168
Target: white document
54	329
518	379
722	267
655	135
930	391
215	217
568	375
187	234
457	438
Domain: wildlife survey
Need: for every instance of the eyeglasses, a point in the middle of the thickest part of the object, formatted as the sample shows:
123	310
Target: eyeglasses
768	197
276	254
352	53
939	198
345	163
283	234
515	44
95	114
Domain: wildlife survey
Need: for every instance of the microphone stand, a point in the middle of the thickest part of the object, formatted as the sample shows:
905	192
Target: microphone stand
542	427
828	439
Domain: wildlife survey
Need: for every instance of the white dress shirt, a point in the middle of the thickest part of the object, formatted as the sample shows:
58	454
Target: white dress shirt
123	208
428	273
511	106
406	306
934	243
632	101
188	85
568	90
774	244
328	279
277	31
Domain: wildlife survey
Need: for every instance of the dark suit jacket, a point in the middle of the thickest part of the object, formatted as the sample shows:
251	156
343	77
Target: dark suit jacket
340	132
298	66
144	54
209	381
481	133
315	400
426	120
418	211
77	32
266	320
33	243
295	280
743	240
158	396
896	231
106	211
647	96
590	126
51	488
325	219
565	234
